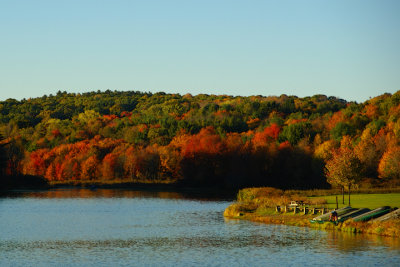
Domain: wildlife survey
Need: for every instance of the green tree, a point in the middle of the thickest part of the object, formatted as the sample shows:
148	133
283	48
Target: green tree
295	132
341	129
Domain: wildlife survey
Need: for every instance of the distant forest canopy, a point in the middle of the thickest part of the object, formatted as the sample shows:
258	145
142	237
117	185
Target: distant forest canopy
221	140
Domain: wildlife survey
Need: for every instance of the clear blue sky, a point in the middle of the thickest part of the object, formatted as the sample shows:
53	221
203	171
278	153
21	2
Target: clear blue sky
349	49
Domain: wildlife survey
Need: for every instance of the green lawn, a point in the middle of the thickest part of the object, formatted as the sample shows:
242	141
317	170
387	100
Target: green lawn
365	200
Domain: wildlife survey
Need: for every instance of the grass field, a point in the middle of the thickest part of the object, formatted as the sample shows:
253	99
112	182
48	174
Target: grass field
365	200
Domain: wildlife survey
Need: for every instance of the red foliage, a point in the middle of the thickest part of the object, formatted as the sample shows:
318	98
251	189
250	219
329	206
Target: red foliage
265	137
126	114
56	133
155	126
37	162
143	128
110	117
273	131
284	145
206	141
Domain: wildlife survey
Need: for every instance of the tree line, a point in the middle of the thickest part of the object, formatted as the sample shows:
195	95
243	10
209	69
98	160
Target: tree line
283	141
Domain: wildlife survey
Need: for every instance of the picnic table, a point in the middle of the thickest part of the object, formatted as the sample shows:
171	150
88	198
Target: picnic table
295	203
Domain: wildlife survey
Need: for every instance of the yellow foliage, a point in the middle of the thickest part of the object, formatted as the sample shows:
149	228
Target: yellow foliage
324	150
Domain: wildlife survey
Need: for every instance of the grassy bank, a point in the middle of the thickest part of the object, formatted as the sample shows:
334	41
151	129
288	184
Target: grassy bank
371	201
258	204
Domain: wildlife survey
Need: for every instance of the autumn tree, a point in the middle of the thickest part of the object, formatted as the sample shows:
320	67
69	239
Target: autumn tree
389	166
368	154
324	151
170	159
201	163
148	164
14	154
108	166
3	157
269	134
344	168
90	168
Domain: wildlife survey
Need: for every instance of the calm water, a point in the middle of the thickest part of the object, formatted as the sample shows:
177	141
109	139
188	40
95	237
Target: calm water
125	228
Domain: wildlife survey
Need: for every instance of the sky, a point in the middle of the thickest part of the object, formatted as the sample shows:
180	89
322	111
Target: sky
347	49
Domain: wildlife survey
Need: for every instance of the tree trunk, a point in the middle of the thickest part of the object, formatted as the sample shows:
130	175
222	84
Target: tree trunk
349	196
343	194
337	203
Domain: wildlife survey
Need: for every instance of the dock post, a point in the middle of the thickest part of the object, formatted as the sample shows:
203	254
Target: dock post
285	208
313	211
305	210
295	210
323	211
278	208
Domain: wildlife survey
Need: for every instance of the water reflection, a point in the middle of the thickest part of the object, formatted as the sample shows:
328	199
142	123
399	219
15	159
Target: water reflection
120	193
351	242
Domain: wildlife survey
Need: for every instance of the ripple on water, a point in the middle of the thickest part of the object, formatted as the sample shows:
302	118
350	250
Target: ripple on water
130	230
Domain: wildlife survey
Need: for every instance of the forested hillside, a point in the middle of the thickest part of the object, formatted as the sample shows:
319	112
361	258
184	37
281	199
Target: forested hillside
220	140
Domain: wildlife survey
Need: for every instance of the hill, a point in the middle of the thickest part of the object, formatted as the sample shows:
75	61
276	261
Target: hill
220	140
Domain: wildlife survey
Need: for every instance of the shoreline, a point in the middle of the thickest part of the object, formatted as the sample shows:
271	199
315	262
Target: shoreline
241	211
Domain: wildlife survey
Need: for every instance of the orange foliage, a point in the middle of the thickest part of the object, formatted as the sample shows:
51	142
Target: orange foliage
234	143
108	166
110	117
130	168
253	123
335	119
344	168
294	121
90	168
389	166
155	126
284	145
371	111
221	113
395	111
50	173
64	162
142	128
170	161
37	163
273	131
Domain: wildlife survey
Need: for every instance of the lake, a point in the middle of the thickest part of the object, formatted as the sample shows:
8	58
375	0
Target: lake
109	227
